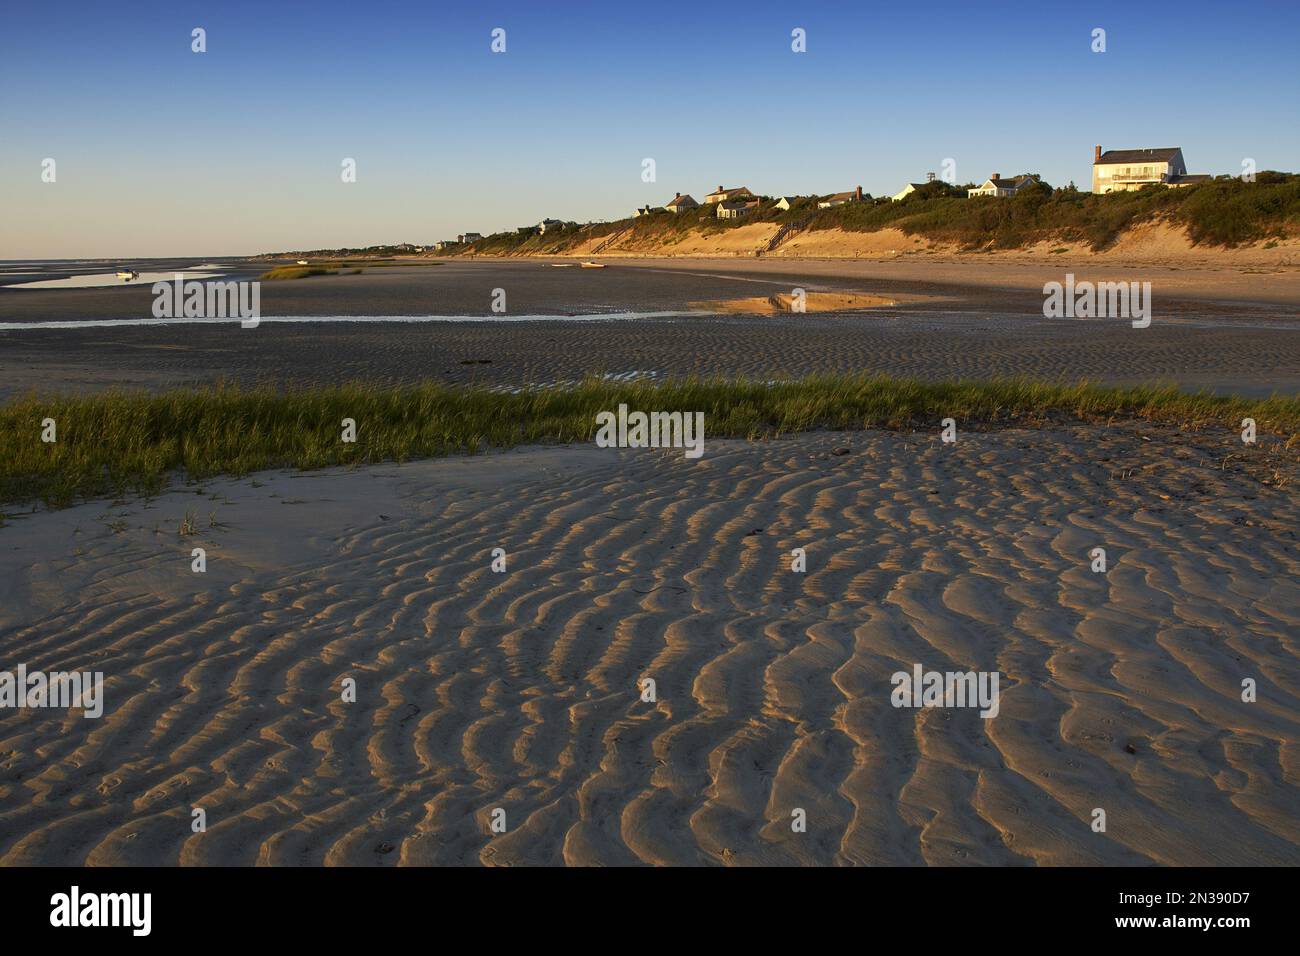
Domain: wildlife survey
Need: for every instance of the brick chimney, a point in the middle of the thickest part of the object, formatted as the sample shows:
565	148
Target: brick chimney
1096	154
996	176
857	194
719	187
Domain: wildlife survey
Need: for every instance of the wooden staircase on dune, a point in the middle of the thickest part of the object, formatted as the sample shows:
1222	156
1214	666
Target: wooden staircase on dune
784	233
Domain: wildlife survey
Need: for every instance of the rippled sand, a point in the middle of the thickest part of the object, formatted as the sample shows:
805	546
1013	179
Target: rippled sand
478	690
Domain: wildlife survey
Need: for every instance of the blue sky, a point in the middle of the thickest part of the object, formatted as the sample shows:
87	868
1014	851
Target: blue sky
161	151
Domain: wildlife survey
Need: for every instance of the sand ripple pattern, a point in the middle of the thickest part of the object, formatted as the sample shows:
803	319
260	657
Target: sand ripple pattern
479	690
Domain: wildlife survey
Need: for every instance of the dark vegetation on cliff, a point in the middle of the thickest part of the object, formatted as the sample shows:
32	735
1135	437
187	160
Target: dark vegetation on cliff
1222	212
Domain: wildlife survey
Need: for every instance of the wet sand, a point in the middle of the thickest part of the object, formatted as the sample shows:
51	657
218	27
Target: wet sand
1246	341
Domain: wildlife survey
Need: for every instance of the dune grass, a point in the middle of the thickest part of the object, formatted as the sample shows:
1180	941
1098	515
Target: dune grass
115	442
1222	213
295	272
337	267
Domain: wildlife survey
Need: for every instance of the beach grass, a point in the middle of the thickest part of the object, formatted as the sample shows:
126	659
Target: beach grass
115	442
1225	212
295	272
337	267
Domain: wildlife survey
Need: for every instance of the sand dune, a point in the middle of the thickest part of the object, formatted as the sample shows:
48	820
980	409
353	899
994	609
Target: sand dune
479	690
1156	242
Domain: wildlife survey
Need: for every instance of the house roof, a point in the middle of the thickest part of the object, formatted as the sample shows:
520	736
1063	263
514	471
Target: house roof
1010	180
1162	154
739	204
732	189
679	199
848	195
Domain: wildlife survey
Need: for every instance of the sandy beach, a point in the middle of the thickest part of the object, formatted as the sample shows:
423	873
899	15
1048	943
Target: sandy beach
520	691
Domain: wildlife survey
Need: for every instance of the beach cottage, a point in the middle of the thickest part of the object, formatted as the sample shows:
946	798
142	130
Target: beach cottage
1119	170
736	209
727	195
995	185
680	203
839	199
906	191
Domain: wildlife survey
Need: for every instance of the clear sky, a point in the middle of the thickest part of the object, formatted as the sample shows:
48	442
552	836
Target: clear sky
160	151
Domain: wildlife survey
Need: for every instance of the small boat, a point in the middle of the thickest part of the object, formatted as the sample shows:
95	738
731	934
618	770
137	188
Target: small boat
303	262
561	265
126	275
593	265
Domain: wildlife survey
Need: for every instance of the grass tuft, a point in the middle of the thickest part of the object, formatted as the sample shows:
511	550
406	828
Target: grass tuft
294	272
115	442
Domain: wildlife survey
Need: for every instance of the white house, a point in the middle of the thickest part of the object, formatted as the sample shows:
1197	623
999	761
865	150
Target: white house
642	211
549	224
680	203
1119	170
470	237
736	209
906	191
785	203
726	195
839	199
995	185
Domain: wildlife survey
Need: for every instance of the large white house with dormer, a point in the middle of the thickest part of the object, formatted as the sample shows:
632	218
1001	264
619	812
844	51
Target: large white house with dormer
1119	170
